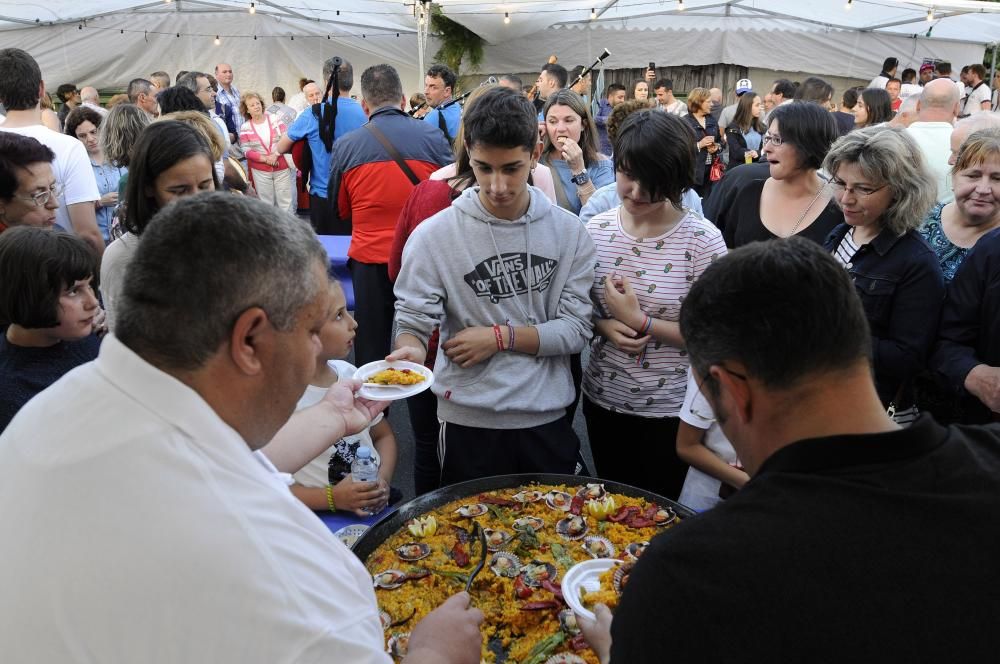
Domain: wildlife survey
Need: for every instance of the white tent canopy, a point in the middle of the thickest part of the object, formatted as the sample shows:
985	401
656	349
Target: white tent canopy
107	42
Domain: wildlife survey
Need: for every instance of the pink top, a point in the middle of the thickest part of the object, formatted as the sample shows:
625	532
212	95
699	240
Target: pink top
256	148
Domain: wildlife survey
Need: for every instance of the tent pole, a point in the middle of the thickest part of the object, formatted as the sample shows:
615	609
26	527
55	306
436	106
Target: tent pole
993	67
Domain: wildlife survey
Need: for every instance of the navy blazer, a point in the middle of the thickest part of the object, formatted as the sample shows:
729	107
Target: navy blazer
901	287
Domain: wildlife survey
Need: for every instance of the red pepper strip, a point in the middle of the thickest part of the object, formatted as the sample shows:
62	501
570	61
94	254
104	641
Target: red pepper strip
521	589
496	500
576	506
459	555
578	643
623	513
553	588
541	606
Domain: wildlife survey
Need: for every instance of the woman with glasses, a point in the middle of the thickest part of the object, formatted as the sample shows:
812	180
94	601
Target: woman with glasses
29	194
794	199
884	189
170	160
84	124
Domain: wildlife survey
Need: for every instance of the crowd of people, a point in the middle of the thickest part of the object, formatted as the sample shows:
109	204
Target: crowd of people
781	319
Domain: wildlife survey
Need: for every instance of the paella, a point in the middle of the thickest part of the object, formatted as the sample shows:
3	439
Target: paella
533	534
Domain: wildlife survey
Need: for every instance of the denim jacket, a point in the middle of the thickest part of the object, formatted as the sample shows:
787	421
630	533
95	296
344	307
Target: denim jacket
901	288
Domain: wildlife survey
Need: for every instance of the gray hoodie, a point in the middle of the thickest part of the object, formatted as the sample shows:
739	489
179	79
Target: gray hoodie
463	267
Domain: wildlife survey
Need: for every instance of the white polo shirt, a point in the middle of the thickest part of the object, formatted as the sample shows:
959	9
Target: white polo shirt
139	527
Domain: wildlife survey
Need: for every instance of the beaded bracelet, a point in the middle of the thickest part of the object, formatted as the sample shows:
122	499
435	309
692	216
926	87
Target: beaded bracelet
510	342
499	336
329	498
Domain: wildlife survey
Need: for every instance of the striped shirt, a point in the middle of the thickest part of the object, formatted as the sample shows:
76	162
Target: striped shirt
846	249
661	270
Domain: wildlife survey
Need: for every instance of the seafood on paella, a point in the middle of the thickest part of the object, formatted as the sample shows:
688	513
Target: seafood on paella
534	534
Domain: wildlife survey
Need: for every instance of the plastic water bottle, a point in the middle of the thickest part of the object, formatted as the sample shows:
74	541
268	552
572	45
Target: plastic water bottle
364	469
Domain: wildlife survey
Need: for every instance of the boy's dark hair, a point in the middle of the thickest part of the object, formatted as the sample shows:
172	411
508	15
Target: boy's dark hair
657	150
17	153
36	266
814	89
278	95
943	68
809	128
161	145
445	74
909	75
501	118
850	98
78	116
889	64
558	71
20	80
614	87
665	83
979	70
65	92
785	88
179	98
776	282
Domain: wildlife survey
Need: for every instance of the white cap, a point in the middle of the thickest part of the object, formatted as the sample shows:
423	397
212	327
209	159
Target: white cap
743	85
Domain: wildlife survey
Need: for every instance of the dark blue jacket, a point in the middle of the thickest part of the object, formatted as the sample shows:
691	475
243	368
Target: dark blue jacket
970	322
901	288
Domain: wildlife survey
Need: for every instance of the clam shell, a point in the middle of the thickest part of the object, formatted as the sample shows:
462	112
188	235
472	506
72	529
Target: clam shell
534	572
558	500
505	564
664	516
620	579
385	619
471	511
526	522
635	549
412	551
565	658
567	620
599	547
496	539
528	496
591	491
398	644
390	579
572	527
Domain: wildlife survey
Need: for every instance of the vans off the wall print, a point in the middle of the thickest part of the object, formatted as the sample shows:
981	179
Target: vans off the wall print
488	279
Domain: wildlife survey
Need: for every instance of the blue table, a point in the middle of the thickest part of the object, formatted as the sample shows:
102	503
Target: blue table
337	520
336	247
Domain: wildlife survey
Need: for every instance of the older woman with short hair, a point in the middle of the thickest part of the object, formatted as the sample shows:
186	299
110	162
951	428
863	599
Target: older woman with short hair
707	138
259	137
884	188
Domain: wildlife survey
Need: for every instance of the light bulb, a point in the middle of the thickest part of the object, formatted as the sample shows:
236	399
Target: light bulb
217	40
253	8
849	4
930	14
506	18
593	14
680	5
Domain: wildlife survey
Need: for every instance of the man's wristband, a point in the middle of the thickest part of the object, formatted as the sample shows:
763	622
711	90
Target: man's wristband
499	337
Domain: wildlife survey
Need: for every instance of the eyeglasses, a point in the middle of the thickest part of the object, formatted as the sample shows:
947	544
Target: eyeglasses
859	190
41	199
776	140
706	416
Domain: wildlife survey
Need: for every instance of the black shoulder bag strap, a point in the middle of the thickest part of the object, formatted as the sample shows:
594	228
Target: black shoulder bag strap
443	126
393	152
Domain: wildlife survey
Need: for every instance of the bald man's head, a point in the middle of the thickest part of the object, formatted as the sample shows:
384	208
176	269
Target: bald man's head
90	95
938	101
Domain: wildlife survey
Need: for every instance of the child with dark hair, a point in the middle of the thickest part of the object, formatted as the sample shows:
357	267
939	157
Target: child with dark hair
48	310
650	250
511	300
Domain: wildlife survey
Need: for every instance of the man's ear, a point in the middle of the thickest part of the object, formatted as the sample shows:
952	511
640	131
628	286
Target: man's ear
364	107
735	391
251	334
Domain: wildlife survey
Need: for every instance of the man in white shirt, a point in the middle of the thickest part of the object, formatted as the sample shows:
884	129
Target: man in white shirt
936	111
665	99
978	99
889	66
146	512
21	88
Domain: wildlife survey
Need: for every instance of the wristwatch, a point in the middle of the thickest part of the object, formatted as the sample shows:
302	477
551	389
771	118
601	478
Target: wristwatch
581	179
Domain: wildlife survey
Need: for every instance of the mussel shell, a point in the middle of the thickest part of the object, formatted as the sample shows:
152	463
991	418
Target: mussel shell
566	658
505	564
664	516
592	491
635	549
420	551
525	522
564	529
562	507
496	539
389	579
567	620
528	496
399	644
472	511
532	573
620	579
599	547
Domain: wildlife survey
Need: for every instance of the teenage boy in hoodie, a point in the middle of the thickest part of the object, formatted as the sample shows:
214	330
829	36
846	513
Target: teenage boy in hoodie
506	274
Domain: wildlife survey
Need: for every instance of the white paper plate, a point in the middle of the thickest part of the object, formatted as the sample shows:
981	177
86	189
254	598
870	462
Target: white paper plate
585	575
351	534
392	393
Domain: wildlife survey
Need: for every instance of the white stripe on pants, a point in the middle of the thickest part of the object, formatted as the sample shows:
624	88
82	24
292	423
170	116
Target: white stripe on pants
274	188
